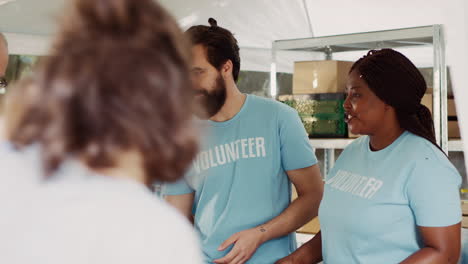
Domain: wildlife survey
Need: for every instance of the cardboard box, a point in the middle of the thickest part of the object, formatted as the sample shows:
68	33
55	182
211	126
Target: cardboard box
452	126
320	76
453	129
464	207
313	226
451	109
465	221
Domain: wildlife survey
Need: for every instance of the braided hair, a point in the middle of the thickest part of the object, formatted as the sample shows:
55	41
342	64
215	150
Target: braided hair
398	83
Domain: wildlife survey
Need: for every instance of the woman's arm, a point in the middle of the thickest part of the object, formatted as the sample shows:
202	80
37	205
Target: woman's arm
441	245
309	253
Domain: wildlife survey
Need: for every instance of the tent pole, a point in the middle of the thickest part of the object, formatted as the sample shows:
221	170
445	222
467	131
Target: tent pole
306	9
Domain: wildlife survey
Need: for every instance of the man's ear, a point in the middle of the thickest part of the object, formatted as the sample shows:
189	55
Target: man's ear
226	69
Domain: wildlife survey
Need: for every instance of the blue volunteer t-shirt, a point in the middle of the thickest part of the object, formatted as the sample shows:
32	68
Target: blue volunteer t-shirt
239	176
374	200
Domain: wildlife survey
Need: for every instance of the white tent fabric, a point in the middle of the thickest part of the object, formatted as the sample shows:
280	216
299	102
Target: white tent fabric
256	23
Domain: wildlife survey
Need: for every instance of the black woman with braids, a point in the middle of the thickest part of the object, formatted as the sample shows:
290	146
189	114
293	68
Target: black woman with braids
393	196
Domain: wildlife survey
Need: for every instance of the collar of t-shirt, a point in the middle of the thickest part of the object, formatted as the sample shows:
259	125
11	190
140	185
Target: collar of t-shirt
380	154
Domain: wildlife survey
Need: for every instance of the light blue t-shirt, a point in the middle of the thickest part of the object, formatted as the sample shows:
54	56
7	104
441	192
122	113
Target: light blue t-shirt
239	176
374	200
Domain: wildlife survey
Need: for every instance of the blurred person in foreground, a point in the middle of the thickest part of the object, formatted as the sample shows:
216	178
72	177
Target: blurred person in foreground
97	123
3	81
3	58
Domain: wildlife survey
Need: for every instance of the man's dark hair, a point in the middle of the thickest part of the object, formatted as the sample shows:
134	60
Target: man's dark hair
219	43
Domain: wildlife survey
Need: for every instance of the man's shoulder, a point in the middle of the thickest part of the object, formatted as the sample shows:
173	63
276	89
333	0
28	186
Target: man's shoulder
270	105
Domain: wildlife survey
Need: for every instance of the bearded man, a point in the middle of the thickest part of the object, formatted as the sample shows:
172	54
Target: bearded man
238	191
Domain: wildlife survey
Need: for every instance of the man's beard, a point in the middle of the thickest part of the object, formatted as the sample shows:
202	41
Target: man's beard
211	102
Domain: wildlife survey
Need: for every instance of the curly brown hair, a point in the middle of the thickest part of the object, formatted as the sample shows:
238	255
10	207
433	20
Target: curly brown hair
117	79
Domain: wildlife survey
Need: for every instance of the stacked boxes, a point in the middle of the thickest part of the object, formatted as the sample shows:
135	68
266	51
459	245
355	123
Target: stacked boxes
315	77
464	207
452	123
318	88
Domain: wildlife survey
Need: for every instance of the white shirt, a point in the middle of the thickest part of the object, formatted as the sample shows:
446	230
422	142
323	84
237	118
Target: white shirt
85	218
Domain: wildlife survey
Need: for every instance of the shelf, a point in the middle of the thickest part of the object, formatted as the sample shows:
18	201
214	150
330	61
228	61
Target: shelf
341	143
408	37
455	145
330	143
303	238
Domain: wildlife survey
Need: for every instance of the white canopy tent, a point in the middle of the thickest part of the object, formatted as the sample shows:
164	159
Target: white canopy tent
29	24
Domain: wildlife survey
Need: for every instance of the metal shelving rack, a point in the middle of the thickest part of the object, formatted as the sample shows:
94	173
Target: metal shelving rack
427	36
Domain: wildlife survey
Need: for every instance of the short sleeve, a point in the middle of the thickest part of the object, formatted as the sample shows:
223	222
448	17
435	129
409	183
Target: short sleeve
433	193
296	151
177	188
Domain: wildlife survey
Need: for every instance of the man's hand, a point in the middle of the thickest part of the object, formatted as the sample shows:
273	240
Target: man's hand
245	244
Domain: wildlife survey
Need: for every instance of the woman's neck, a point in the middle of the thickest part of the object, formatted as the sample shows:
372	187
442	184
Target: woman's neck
385	137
